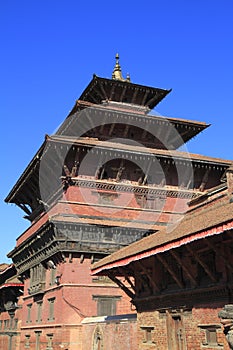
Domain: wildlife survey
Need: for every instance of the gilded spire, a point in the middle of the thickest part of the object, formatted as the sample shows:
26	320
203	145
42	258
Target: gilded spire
116	74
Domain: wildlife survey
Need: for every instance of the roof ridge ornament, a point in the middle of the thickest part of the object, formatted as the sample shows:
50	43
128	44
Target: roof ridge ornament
116	74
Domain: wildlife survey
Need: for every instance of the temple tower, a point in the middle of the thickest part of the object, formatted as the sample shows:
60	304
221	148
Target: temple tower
111	174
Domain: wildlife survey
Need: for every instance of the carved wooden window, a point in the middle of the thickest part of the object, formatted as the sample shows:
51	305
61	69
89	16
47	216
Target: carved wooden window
37	278
27	341
6	324
53	273
39	311
49	342
29	308
37	334
210	335
147	338
106	305
51	309
15	323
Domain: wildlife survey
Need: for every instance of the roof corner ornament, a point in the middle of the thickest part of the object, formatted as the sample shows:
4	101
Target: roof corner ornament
116	74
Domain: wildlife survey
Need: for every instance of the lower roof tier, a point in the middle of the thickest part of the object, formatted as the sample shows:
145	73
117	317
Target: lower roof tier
58	152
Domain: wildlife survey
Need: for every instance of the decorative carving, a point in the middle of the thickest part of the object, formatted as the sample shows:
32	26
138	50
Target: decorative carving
134	188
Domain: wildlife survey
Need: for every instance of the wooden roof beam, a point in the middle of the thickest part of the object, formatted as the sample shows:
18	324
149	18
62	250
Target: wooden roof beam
152	100
112	91
183	266
204	181
152	281
111	129
93	98
145	97
219	253
122	271
112	276
24	208
202	263
170	270
103	91
135	95
123	93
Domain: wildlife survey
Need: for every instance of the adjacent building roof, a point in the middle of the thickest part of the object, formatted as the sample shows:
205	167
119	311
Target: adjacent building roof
212	220
8	276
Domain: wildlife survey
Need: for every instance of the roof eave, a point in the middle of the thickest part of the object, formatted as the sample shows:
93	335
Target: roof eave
10	197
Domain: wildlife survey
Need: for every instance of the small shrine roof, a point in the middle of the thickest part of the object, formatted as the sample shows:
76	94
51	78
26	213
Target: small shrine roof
8	276
3	267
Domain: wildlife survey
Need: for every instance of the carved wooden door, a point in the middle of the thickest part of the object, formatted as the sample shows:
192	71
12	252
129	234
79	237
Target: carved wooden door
176	335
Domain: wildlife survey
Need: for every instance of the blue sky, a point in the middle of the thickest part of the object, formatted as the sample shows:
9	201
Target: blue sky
50	50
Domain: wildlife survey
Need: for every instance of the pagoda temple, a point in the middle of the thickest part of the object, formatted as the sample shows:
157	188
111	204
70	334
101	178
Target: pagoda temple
112	174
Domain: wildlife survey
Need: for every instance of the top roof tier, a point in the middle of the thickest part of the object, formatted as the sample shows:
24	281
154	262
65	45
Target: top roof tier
119	89
102	89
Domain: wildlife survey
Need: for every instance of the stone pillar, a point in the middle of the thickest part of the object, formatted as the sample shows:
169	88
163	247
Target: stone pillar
226	315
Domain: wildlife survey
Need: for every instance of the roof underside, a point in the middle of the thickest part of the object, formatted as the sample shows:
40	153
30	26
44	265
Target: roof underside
100	89
84	115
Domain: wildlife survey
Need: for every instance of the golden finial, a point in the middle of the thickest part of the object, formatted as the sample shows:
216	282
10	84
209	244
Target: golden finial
116	74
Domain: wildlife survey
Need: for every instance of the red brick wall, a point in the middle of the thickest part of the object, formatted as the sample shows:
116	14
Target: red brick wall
194	325
116	333
9	327
73	301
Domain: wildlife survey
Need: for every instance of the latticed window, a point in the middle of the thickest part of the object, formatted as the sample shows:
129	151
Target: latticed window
15	323
27	341
147	334
51	309
49	342
6	324
106	305
39	311
53	273
37	334
210	337
29	308
37	279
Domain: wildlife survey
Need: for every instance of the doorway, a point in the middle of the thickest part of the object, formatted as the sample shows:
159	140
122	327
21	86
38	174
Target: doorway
175	331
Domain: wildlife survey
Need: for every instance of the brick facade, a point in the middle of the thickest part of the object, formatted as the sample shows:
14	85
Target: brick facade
110	175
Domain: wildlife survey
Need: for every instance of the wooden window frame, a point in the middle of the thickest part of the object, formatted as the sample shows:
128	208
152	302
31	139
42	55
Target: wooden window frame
51	302
101	299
